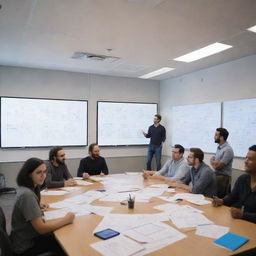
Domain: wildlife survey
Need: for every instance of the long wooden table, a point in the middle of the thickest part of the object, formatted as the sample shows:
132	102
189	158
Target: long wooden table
77	237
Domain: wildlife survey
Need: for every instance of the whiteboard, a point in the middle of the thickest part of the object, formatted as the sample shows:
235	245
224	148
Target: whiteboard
29	122
195	125
239	118
120	123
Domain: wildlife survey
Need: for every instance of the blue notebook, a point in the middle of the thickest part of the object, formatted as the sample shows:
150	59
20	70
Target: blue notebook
231	241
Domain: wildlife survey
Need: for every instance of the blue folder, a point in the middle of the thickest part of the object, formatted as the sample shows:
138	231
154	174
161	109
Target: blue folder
231	241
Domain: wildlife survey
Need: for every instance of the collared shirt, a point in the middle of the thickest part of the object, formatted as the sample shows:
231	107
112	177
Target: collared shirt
174	170
243	196
225	155
203	180
157	135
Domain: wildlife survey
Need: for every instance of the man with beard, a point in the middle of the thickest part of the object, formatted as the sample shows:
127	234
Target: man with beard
242	199
200	179
58	174
222	162
93	164
157	135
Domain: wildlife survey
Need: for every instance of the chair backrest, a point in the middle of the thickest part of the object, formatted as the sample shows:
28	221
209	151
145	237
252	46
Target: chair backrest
5	244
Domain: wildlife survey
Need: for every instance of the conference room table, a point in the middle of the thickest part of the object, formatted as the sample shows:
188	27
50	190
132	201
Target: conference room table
77	237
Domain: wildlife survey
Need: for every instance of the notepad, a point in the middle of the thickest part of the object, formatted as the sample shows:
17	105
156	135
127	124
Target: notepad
231	241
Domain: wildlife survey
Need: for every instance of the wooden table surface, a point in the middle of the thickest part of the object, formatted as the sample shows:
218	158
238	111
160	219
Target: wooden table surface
77	237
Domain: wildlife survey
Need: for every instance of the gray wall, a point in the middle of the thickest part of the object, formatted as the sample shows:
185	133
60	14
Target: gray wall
27	82
229	81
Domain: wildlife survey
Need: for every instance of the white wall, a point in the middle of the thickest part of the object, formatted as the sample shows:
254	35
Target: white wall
27	82
229	81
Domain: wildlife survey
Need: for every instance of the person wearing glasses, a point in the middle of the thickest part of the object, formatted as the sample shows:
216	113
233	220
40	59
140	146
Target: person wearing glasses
242	198
30	234
58	174
200	179
175	168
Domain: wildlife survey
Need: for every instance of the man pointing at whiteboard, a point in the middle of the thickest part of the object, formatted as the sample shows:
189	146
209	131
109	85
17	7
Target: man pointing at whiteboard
157	135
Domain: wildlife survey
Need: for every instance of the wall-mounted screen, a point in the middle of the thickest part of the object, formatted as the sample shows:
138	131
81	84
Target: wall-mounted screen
120	123
27	122
239	118
195	125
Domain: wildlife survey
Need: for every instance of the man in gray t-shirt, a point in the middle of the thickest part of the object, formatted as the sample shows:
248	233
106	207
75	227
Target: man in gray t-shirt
26	208
58	174
222	162
174	169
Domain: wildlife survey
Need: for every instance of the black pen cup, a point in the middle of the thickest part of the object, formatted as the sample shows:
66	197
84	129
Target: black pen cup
130	204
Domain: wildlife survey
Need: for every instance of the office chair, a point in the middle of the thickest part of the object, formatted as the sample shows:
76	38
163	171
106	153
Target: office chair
5	243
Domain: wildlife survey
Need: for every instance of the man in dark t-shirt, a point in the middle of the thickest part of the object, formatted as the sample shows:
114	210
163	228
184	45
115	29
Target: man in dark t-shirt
157	135
93	164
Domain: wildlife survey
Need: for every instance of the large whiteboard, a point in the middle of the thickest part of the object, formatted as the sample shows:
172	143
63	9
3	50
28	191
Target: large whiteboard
29	122
120	123
239	118
195	125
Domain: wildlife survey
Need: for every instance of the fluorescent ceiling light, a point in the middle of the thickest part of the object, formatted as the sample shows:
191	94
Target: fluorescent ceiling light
252	29
203	52
156	73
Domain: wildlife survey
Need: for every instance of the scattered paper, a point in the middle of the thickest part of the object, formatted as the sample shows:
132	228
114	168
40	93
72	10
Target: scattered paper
70	189
212	231
119	245
83	183
53	192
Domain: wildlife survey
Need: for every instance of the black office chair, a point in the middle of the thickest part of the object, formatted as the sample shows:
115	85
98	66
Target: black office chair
5	243
250	252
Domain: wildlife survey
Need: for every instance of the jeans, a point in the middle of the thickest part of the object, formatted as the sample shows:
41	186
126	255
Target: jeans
157	151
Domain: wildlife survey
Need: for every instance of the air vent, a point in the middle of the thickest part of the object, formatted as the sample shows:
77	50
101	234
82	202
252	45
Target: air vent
92	56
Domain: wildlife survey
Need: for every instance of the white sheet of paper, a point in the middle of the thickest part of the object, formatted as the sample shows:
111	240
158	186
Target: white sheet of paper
70	189
212	231
53	192
116	246
83	183
159	236
187	219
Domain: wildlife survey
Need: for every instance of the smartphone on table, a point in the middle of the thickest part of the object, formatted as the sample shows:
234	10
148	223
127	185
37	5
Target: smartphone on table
106	233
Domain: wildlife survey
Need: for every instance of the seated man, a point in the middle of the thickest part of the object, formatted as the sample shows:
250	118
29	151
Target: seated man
201	176
174	169
243	196
58	174
93	164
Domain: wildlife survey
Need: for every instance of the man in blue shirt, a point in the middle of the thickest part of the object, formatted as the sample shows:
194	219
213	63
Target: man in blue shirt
157	135
200	178
222	162
174	169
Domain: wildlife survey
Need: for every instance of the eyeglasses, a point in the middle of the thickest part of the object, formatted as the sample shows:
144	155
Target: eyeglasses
175	152
41	172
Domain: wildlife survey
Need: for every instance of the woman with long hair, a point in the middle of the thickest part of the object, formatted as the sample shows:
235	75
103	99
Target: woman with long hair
30	234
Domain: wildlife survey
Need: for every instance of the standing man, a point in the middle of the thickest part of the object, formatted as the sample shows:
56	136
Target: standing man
200	175
157	135
58	174
93	164
175	168
222	162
